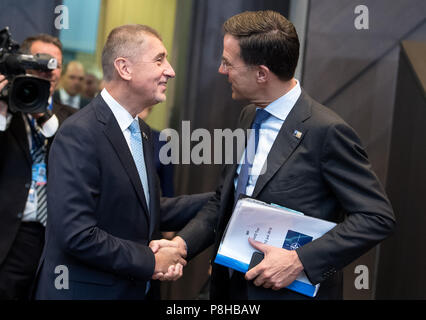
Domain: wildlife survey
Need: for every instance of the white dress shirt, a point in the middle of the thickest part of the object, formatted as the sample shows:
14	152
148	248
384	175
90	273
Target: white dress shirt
5	121
123	117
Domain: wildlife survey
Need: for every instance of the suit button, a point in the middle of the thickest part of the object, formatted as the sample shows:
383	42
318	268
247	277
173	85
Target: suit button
19	215
27	186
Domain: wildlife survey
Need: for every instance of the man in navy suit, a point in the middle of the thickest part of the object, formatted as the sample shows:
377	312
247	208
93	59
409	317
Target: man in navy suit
307	159
103	198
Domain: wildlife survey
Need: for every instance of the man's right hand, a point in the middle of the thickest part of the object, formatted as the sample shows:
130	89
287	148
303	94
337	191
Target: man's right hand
169	259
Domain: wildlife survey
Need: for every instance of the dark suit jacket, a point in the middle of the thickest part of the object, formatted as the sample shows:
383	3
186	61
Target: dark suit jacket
324	174
164	171
83	101
15	175
99	225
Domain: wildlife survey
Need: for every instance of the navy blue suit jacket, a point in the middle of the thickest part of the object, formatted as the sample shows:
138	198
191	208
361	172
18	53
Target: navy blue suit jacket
99	224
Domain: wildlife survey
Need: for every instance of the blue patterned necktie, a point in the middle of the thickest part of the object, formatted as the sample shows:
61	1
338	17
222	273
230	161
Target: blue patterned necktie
38	155
137	153
261	115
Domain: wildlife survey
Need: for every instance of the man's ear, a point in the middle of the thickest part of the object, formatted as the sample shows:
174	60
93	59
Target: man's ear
123	68
262	73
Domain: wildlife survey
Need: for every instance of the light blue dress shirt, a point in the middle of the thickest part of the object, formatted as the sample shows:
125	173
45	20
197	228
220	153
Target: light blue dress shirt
279	110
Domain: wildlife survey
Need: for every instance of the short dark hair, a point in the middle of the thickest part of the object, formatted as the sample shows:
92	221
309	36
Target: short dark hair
266	38
43	37
123	41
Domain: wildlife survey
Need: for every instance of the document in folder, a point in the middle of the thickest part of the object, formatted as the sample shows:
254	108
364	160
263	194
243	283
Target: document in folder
273	225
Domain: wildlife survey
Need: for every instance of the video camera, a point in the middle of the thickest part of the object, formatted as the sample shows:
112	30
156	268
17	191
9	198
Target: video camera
26	93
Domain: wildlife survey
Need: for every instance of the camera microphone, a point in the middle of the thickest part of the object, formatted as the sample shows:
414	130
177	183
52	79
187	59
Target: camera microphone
18	63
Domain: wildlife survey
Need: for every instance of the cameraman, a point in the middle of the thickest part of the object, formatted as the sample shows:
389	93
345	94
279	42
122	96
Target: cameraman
24	144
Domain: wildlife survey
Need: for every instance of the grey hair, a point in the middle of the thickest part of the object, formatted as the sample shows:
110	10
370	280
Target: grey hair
124	41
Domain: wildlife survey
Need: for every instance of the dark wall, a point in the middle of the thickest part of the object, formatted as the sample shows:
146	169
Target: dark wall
26	18
402	256
354	72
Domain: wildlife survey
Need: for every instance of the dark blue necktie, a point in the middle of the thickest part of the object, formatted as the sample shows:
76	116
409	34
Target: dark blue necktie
261	115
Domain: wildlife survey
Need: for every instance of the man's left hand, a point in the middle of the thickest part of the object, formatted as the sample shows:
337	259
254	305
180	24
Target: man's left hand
278	269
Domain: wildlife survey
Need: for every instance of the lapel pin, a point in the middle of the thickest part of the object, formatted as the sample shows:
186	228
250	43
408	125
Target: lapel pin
297	134
144	136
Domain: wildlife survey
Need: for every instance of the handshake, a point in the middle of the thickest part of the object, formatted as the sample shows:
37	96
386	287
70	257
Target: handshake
169	258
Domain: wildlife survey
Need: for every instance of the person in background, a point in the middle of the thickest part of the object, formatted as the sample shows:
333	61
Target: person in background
91	86
72	83
25	140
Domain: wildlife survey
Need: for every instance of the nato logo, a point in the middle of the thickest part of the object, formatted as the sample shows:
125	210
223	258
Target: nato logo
294	240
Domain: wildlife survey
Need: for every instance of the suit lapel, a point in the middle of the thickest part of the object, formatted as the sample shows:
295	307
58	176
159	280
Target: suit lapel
148	152
228	188
116	138
289	137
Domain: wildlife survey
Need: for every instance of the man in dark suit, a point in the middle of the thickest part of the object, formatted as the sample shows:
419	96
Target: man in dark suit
72	84
306	158
104	197
23	207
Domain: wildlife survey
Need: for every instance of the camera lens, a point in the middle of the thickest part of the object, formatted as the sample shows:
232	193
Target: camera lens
27	92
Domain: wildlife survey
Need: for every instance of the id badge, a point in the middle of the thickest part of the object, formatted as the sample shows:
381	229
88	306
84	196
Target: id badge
39	174
32	193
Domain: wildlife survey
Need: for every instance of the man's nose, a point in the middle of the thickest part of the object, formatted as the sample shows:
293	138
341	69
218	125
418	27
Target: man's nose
169	70
222	69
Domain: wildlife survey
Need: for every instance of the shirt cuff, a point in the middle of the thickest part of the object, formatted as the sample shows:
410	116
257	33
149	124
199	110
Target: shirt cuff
5	121
49	128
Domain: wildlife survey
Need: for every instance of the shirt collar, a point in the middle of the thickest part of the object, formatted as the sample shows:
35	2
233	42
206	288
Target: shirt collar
66	97
123	117
63	94
281	107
